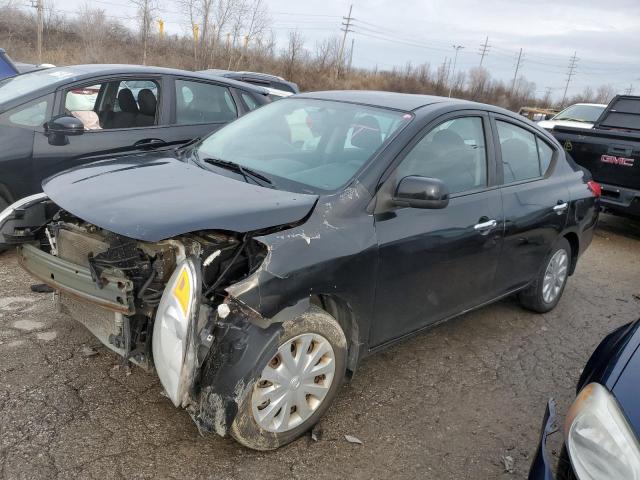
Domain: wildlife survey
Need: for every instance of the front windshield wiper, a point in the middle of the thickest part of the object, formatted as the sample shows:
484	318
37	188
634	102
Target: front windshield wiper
182	148
246	173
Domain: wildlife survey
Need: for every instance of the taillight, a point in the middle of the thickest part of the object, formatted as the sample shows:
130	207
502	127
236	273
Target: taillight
595	188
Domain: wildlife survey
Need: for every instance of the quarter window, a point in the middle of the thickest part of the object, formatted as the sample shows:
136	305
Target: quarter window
545	153
31	115
453	152
203	103
249	101
519	153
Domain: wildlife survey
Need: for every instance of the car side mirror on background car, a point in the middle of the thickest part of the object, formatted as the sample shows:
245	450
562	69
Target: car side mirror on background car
421	192
59	128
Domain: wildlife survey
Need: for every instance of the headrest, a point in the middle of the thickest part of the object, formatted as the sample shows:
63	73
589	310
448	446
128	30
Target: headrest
366	133
447	139
127	102
147	102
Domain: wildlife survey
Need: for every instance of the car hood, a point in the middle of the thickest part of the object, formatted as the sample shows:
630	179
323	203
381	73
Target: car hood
549	124
152	197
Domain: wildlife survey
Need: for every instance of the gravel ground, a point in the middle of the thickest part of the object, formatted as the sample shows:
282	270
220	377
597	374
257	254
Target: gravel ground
449	403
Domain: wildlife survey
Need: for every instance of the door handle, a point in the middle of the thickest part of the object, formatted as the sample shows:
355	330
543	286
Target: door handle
485	227
149	142
561	208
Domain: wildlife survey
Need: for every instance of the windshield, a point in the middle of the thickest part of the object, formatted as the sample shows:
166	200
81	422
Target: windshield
318	145
580	113
15	87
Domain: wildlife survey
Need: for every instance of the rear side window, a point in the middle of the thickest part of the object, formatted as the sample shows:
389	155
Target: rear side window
519	153
545	152
198	102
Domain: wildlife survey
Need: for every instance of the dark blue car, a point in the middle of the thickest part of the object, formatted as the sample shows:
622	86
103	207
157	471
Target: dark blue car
7	67
602	427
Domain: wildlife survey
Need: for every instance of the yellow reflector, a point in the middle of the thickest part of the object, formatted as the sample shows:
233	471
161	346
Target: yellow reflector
182	291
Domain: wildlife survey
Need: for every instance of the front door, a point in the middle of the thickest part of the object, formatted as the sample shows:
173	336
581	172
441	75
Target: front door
438	263
121	115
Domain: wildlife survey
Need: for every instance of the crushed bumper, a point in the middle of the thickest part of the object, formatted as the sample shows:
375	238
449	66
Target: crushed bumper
541	465
76	281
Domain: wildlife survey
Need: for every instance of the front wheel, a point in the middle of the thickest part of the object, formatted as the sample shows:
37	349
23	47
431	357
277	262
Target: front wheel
296	386
544	293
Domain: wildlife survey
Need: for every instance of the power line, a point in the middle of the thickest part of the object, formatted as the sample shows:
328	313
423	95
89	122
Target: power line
571	71
515	75
484	49
453	72
346	24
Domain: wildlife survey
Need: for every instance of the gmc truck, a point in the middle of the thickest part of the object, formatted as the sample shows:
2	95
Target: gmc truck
611	152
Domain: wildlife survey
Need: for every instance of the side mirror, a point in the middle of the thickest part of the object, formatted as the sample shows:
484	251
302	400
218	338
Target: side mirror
421	192
59	128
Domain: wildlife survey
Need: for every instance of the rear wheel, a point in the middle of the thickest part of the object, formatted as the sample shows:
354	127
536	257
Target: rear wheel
545	292
296	386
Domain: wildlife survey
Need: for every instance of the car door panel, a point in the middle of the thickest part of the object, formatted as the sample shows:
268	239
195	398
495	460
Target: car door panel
436	263
535	213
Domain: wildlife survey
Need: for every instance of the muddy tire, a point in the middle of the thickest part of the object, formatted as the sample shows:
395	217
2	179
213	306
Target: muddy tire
545	292
294	390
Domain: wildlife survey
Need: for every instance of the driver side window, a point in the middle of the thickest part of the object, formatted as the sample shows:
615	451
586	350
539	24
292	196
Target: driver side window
453	152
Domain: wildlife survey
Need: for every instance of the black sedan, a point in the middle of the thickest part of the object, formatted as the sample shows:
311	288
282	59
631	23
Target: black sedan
58	118
602	428
255	268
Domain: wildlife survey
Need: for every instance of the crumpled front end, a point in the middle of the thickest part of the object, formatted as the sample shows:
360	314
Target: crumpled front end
161	305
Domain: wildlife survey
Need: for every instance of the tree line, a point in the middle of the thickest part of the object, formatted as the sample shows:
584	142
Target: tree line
238	35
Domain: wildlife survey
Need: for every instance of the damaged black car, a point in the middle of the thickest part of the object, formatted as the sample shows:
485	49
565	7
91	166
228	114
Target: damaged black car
253	270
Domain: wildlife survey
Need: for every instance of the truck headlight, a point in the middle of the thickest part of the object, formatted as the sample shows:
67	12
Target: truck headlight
600	442
171	329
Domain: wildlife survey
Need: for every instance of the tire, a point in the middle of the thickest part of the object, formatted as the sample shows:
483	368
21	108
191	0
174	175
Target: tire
533	297
3	204
315	326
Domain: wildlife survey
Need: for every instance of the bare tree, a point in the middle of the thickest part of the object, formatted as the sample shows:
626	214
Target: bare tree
605	93
92	27
256	23
146	10
191	10
293	54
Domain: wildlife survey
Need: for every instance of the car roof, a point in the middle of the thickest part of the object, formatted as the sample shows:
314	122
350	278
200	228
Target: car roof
603	105
89	70
398	101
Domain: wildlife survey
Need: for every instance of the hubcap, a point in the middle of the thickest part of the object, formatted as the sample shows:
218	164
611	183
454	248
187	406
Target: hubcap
294	383
555	276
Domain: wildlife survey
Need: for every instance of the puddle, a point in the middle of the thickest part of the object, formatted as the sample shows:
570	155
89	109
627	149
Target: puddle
47	336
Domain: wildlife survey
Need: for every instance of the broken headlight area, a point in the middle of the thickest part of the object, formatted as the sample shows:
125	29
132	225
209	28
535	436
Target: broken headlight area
161	305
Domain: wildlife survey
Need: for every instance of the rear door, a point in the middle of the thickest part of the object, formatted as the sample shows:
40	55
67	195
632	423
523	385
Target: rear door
121	114
200	107
535	200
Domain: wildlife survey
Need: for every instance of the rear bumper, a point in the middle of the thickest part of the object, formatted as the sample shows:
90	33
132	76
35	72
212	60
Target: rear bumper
541	467
620	200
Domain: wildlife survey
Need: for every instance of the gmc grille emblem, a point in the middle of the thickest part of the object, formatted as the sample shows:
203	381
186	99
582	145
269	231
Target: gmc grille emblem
625	162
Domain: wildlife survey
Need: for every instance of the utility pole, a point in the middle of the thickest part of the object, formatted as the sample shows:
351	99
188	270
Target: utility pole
515	75
346	24
39	6
161	29
571	71
484	49
351	54
453	72
629	91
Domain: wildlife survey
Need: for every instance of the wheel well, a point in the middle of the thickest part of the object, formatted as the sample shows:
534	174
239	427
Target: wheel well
574	243
341	311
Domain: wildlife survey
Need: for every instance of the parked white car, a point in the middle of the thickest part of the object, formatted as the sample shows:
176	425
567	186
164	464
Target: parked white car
580	115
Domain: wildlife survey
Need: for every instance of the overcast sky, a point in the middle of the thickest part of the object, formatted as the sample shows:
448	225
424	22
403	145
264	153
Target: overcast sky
387	33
